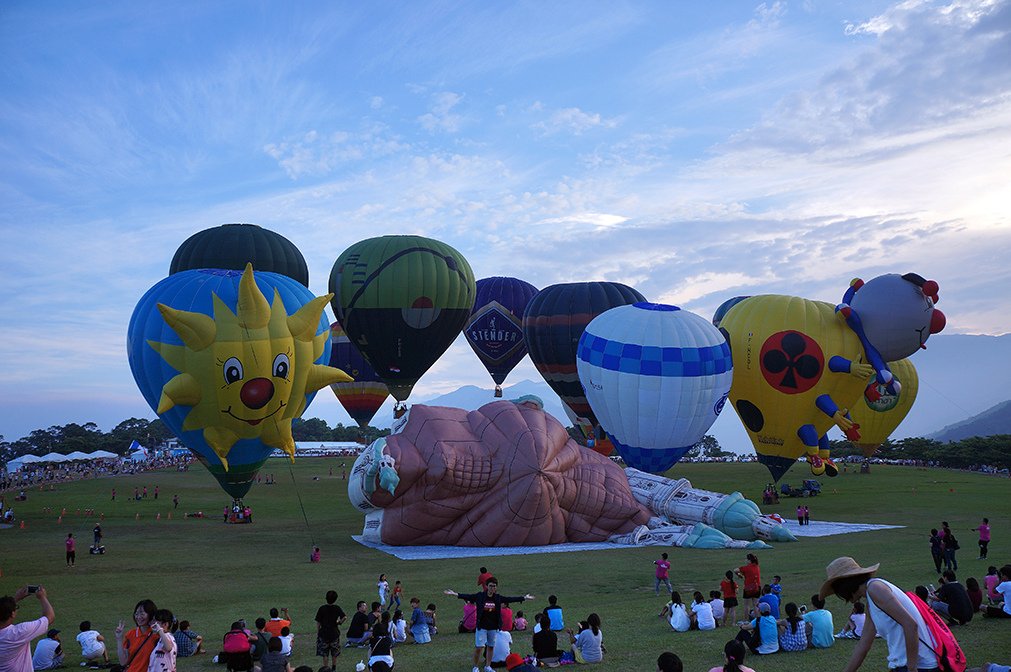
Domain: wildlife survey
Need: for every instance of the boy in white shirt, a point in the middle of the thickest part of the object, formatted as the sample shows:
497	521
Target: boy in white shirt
717	603
92	644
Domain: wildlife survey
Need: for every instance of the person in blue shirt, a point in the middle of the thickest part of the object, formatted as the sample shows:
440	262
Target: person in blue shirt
771	599
767	628
819	619
554	614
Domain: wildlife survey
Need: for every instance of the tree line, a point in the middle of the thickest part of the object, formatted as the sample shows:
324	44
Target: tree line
88	438
994	451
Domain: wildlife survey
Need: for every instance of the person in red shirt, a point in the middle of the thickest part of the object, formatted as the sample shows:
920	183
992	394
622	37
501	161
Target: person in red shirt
276	623
728	587
483	577
134	647
752	584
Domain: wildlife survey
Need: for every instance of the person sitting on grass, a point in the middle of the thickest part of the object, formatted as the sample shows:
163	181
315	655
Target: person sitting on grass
734	653
520	622
952	600
770	598
761	634
235	649
975	593
854	628
273	660
358	633
433	627
398	627
545	642
676	613
419	624
716	602
793	636
702	616
92	644
381	643
286	638
48	652
469	621
188	642
819	624
587	644
1002	605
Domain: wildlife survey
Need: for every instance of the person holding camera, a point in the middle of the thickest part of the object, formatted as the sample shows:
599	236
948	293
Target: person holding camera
16	640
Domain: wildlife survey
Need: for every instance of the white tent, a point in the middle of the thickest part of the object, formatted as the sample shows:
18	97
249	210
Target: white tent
19	462
53	457
103	455
79	455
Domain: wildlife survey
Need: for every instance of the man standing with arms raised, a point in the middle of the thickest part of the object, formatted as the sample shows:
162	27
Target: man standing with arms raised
16	640
489	620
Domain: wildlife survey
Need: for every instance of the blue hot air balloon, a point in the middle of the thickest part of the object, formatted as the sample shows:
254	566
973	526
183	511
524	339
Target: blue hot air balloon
656	377
495	328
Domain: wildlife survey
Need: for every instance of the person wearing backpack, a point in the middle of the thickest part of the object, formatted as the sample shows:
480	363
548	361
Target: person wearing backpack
892	613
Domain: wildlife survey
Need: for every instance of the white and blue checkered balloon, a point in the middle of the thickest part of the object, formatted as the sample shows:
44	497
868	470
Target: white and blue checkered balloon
656	378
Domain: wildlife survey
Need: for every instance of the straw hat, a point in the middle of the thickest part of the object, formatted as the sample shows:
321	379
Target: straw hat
840	568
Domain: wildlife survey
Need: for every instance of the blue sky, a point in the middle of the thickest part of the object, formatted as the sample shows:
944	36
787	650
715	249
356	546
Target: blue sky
696	151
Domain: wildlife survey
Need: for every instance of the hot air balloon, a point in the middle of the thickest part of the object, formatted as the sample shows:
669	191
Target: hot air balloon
656	378
363	396
227	368
879	418
232	246
800	366
402	301
495	328
552	324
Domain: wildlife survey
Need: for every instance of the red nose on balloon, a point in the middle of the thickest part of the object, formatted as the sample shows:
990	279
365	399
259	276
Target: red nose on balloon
256	393
937	321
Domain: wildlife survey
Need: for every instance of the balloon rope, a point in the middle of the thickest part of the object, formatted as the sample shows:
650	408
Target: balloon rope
301	506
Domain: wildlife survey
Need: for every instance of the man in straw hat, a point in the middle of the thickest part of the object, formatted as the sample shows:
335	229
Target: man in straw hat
892	615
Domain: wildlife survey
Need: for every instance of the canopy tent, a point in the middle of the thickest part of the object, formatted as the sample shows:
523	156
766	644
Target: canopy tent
103	455
79	455
18	462
53	457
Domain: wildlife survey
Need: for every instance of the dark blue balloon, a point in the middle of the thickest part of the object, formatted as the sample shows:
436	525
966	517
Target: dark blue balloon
552	325
495	328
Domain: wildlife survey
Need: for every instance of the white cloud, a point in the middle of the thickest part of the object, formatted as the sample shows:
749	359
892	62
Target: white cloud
575	121
441	116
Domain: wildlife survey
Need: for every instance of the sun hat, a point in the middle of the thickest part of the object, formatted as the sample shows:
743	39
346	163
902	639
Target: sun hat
765	608
513	660
841	568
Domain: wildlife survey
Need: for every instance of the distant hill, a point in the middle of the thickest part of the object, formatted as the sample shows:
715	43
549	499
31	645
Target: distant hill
472	397
995	420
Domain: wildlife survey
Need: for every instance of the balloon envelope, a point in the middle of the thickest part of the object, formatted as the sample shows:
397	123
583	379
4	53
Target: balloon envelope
656	377
495	327
232	246
880	418
362	397
151	342
552	324
402	301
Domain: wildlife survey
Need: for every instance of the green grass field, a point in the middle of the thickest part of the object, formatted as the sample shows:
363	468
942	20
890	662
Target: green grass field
212	574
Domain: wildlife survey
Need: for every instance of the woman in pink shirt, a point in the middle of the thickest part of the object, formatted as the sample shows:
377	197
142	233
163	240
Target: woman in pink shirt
991	582
71	550
984	537
734	652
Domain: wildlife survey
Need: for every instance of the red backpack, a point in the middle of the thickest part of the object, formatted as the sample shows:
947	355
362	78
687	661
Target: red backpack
949	654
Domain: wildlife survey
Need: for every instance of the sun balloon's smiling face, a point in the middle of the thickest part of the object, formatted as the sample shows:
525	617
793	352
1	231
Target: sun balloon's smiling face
253	380
245	373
